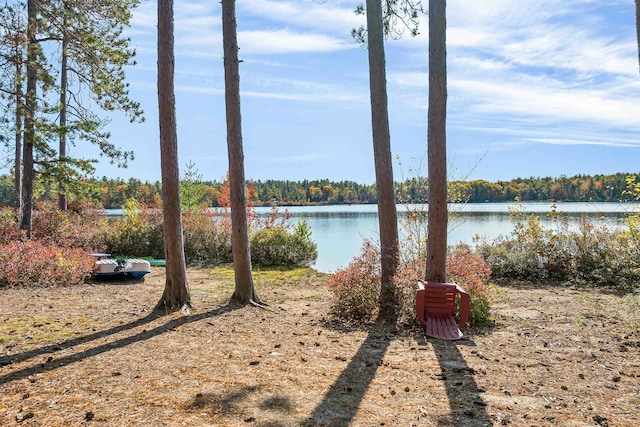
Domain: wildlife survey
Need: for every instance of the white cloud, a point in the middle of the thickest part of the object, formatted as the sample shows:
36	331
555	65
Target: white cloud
555	104
337	17
286	41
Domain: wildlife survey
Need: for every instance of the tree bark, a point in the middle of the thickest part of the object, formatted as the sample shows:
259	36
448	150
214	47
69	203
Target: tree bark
17	165
638	28
387	215
28	173
62	154
176	291
437	144
245	292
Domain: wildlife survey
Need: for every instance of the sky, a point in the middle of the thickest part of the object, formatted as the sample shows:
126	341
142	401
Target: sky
536	88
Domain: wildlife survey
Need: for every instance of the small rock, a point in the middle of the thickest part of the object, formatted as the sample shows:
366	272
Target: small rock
115	374
600	420
564	387
89	416
250	420
278	345
616	379
392	392
20	417
25	396
32	379
407	389
254	363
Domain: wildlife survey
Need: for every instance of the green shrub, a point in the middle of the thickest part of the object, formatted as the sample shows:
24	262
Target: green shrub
207	237
276	246
589	256
138	233
32	263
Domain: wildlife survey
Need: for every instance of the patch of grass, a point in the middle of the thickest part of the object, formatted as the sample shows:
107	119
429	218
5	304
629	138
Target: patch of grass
39	330
631	310
271	276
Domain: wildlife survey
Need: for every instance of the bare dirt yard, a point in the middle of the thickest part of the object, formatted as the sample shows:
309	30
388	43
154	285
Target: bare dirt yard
97	355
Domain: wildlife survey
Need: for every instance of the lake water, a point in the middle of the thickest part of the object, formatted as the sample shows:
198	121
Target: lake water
340	229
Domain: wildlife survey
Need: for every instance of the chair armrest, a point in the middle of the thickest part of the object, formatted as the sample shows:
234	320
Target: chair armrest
420	302
465	302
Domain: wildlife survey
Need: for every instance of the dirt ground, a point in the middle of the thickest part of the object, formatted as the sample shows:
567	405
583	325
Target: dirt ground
98	355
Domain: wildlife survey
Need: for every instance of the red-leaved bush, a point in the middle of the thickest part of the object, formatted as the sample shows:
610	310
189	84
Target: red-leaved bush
68	229
356	288
469	270
32	263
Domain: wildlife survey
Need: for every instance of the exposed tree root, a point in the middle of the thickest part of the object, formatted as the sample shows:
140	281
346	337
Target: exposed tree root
255	302
163	305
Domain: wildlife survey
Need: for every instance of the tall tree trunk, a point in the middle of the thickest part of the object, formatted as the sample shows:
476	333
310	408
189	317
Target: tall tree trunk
28	173
638	28
437	144
176	291
245	291
387	215
62	154
17	173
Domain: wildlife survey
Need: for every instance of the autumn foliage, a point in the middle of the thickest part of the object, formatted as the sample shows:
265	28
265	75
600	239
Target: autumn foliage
356	288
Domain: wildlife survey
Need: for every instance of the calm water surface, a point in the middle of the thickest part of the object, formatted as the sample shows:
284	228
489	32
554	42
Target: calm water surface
339	230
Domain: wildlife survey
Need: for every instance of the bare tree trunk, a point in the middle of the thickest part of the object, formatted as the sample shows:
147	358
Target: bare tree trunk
245	292
17	173
28	173
387	215
62	196
638	28
176	294
437	144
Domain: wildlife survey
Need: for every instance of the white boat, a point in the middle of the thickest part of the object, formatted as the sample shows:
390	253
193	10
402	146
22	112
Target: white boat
135	268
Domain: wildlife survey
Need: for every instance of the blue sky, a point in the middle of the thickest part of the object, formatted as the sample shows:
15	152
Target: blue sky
536	88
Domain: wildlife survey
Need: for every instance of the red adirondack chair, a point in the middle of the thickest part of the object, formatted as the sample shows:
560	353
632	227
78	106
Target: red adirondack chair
435	309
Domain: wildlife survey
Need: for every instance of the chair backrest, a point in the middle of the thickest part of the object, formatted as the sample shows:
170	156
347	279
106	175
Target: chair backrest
440	299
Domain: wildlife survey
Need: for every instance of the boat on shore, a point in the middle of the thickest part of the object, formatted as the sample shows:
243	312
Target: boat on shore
127	268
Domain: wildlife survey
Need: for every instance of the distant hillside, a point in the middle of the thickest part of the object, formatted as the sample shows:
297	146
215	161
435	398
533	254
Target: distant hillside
112	193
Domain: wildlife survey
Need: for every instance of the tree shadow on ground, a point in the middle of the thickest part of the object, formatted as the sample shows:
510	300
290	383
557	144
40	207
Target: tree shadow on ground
54	363
465	397
51	348
342	400
224	404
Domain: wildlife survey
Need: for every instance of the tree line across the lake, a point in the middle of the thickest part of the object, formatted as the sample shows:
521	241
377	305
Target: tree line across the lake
113	193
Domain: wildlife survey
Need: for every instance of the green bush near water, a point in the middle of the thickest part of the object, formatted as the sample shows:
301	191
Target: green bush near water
59	252
276	246
207	238
589	256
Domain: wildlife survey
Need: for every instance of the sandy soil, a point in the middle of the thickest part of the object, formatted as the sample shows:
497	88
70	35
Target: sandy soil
98	355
